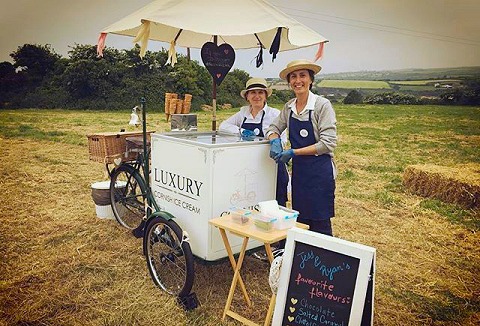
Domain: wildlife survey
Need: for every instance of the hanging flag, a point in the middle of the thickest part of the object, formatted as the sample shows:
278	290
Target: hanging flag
142	37
320	51
275	47
101	44
172	55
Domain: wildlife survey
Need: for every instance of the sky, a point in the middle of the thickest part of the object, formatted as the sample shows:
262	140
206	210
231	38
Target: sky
366	35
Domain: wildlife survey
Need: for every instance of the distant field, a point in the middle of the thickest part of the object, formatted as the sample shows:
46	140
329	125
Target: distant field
424	82
354	84
418	88
408	74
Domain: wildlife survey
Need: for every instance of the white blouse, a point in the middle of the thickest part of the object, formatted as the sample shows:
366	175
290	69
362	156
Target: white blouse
233	123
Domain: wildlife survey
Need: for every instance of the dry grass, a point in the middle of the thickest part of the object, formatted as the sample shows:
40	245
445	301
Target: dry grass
61	265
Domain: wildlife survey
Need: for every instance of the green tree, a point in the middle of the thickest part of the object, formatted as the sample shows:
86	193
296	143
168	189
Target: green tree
91	79
34	62
10	81
229	89
353	97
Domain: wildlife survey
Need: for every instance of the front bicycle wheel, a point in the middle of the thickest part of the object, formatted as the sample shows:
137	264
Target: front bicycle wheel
169	256
127	196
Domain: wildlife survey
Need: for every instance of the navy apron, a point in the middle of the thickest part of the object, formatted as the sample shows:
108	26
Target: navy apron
282	174
313	186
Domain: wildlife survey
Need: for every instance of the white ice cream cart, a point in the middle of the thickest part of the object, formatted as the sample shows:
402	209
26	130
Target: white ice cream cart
197	176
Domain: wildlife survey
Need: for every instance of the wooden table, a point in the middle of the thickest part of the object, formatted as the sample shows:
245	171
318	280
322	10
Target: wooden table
247	231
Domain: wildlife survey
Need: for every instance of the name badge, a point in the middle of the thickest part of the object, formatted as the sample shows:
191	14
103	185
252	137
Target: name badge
256	131
304	133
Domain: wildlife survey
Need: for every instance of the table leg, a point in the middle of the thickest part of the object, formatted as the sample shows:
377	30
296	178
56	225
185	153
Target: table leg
271	306
234	265
235	277
268	250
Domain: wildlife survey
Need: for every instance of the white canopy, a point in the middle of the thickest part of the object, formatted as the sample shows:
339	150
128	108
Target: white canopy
191	23
243	24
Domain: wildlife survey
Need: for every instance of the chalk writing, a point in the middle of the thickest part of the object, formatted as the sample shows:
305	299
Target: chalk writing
317	262
321	287
217	59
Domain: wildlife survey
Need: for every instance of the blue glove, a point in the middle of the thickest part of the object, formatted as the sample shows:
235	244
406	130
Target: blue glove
248	134
284	156
275	147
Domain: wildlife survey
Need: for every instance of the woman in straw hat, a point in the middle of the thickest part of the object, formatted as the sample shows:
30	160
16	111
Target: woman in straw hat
312	132
253	120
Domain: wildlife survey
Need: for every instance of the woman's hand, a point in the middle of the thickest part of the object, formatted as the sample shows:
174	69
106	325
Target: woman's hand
285	156
275	147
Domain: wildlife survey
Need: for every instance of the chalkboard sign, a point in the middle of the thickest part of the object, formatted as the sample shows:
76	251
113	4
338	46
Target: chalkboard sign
218	59
324	281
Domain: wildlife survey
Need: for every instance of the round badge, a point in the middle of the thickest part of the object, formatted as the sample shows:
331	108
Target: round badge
256	131
303	133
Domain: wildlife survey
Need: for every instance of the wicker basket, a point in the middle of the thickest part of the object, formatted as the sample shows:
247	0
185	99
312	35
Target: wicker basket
107	146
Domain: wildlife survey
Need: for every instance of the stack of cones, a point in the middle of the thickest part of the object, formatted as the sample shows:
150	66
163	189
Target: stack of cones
169	99
187	103
178	108
174	105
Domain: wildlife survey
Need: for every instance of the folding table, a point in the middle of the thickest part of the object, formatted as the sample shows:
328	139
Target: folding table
247	230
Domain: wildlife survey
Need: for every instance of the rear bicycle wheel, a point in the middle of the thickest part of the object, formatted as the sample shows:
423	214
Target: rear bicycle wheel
127	196
169	256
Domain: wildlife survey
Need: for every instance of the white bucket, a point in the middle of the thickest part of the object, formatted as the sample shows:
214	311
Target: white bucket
102	189
104	211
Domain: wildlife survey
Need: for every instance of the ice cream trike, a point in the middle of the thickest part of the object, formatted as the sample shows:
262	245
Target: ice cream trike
171	191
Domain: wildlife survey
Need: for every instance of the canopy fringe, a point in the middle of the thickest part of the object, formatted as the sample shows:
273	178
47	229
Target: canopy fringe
101	44
319	54
259	57
142	37
172	53
275	47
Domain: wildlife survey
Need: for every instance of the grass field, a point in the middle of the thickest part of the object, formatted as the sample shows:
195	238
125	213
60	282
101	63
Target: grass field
424	82
61	265
354	84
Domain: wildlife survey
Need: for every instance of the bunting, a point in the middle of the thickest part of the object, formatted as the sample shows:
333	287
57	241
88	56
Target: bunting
142	37
275	47
101	44
172	55
319	52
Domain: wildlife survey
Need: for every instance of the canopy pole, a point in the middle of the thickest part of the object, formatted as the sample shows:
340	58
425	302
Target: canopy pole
214	96
146	172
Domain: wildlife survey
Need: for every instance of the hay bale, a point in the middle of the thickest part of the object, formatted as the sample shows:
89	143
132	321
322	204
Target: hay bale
458	185
206	108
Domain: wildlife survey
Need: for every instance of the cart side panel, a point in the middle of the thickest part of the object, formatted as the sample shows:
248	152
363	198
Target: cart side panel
181	184
243	176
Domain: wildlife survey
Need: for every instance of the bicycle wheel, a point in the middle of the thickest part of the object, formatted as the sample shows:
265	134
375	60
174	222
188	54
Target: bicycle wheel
127	196
169	259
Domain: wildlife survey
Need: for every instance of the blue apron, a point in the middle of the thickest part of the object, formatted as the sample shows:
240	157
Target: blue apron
313	186
282	174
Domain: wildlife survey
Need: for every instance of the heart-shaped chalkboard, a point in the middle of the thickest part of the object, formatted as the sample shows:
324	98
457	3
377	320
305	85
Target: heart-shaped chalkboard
218	59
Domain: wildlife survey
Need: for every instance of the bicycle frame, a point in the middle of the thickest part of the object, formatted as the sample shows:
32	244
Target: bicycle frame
142	163
146	169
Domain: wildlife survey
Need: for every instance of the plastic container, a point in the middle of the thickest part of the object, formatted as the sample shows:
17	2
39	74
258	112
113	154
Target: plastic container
287	219
263	222
240	215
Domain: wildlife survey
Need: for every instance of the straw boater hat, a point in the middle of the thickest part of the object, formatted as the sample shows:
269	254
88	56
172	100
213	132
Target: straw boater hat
299	65
256	83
